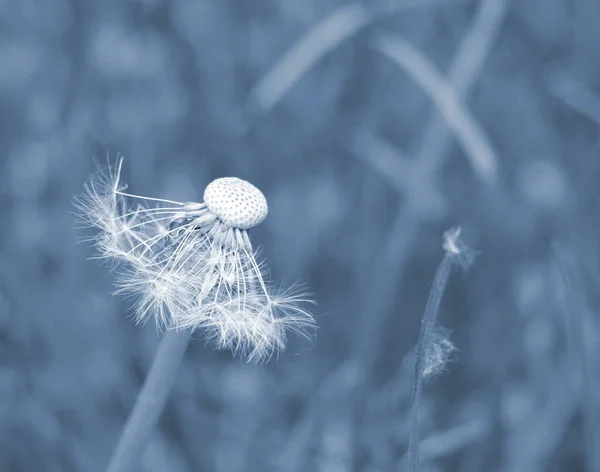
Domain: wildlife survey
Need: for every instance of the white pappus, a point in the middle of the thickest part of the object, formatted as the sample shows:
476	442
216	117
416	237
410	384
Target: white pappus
192	265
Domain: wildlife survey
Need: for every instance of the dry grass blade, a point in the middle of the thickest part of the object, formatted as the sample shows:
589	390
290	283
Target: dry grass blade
463	72
475	46
306	52
316	43
467	130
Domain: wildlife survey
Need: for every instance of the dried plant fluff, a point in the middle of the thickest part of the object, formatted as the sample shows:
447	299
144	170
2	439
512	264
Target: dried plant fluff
192	265
438	353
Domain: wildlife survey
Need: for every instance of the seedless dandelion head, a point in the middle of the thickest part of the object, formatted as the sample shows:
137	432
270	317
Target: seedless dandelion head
236	202
191	265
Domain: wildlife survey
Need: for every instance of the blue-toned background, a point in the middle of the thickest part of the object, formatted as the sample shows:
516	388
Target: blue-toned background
371	127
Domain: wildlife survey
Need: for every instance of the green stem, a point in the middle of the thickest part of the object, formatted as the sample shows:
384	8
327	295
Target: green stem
151	402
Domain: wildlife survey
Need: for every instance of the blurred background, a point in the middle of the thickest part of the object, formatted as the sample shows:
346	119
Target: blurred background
372	127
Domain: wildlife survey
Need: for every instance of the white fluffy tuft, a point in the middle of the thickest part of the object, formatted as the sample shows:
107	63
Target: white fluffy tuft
437	353
188	267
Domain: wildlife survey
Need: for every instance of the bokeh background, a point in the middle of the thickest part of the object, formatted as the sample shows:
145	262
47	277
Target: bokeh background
371	127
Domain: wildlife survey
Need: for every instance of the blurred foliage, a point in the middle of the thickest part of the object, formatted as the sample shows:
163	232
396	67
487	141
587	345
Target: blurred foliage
362	177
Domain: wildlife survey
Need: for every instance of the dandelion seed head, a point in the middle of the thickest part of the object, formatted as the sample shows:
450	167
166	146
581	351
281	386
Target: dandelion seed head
236	202
192	265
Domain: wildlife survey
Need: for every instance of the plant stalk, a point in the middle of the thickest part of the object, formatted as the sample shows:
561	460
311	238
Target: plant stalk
150	402
427	329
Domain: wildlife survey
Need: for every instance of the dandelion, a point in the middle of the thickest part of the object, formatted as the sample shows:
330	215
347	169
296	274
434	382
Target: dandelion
192	265
189	266
433	346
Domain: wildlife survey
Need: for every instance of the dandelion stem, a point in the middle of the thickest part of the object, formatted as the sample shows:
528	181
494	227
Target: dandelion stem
151	402
425	336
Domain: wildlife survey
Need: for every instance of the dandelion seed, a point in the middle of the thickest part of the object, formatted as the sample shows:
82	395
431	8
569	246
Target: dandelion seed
192	265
